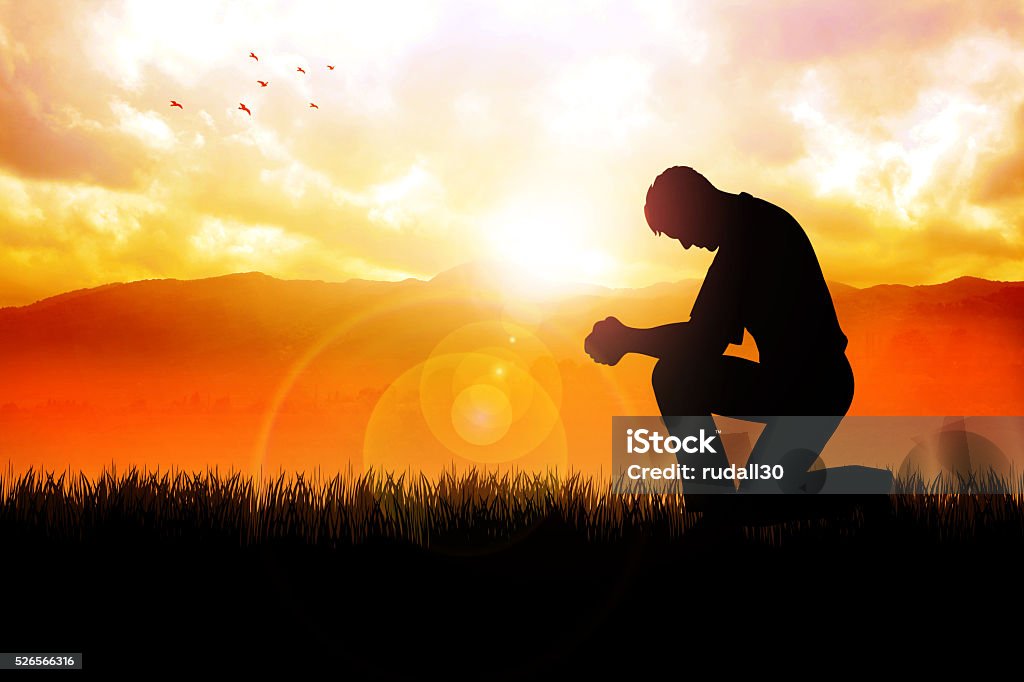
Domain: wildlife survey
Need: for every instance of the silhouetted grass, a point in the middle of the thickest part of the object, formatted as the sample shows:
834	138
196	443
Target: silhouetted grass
340	509
469	508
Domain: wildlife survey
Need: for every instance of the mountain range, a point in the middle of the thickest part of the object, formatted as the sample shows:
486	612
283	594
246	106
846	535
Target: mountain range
246	369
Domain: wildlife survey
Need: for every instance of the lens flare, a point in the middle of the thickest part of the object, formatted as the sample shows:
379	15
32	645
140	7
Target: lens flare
489	394
481	414
487	399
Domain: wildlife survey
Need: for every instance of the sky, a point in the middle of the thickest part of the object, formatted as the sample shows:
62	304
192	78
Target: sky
520	132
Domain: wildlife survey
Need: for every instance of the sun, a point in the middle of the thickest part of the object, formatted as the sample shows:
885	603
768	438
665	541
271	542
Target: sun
555	242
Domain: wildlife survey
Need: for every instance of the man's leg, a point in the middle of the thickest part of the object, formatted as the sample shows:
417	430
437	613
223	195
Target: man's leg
794	442
806	404
689	392
800	416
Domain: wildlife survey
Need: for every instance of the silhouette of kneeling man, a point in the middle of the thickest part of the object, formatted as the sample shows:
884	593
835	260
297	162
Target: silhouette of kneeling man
765	278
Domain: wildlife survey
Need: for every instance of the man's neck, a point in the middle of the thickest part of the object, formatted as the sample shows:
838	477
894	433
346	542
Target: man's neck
732	208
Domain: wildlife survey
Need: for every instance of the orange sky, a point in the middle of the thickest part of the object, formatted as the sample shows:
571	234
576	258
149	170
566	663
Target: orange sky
527	132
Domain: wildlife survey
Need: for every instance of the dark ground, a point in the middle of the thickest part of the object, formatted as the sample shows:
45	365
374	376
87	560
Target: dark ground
545	603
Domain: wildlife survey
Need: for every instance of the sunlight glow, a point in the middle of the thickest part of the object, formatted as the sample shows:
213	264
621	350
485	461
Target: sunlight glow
604	99
550	240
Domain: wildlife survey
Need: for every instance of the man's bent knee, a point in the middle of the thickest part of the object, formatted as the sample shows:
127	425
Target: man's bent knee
680	387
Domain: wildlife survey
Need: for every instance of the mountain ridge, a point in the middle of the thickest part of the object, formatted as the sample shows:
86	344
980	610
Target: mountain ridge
465	274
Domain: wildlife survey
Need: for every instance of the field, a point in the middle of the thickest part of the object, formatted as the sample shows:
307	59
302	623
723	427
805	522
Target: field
475	575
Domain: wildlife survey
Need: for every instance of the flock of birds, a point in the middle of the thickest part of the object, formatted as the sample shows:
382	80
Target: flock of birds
263	84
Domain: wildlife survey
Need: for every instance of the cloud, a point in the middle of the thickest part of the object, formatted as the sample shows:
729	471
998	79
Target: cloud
73	235
147	127
42	140
1001	177
605	99
893	131
244	244
809	30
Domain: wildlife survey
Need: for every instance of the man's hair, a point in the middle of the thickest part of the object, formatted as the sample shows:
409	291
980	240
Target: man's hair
675	192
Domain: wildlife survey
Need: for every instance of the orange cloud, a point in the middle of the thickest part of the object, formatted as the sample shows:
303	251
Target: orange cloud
1001	177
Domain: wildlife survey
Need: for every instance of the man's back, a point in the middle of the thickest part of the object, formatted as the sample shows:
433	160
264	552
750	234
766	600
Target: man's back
766	278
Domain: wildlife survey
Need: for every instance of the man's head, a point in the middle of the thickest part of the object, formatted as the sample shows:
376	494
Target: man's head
684	205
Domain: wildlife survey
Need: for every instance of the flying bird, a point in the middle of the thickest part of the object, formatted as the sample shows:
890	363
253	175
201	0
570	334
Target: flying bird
175	104
313	106
253	55
244	108
301	69
263	84
330	67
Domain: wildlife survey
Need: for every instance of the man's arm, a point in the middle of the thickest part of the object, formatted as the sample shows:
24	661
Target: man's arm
714	322
673	340
611	339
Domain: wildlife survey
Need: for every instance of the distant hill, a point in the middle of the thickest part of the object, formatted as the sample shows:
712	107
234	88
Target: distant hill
228	344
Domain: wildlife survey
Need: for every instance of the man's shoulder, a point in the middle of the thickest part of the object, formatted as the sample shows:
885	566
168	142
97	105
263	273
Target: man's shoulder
767	211
757	203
